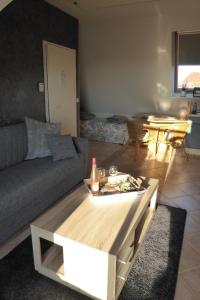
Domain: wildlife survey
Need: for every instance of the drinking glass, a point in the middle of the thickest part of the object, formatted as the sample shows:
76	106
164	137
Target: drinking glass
102	174
113	170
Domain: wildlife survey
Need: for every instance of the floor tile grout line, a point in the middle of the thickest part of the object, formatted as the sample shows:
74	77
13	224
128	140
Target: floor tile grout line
189	287
189	269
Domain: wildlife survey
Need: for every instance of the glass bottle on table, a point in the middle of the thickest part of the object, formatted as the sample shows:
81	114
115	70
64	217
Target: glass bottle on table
94	178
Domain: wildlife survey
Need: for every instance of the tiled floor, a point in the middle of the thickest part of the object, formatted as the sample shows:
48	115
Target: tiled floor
180	189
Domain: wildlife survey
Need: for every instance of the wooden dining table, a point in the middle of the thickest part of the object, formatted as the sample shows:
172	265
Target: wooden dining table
163	129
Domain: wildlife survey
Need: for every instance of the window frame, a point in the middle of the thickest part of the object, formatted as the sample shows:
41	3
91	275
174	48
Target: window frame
176	61
176	46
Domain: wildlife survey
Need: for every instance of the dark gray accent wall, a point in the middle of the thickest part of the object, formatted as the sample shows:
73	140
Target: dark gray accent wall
24	24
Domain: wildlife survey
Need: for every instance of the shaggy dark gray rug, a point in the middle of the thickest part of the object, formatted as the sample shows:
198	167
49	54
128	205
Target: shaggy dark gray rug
153	276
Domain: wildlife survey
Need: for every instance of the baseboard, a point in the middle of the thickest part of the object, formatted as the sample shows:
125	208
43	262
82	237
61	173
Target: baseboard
14	241
193	151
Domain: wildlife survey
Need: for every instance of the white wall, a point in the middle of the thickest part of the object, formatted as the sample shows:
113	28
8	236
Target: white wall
4	3
126	61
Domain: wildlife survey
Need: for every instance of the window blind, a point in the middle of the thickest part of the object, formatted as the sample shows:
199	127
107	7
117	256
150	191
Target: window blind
189	49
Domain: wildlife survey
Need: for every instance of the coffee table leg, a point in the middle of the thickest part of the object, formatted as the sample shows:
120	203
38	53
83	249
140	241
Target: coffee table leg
154	200
36	249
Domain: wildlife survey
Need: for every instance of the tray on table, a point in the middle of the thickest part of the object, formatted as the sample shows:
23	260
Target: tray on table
113	181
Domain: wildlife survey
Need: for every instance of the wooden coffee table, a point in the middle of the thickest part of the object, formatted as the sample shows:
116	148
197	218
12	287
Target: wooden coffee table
93	243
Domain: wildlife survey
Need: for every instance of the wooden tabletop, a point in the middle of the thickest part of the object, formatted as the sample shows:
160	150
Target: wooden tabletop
159	119
94	223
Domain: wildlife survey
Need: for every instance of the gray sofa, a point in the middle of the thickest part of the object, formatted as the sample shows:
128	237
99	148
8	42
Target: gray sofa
27	188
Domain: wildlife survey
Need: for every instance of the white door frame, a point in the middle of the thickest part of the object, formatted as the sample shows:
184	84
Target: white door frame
45	44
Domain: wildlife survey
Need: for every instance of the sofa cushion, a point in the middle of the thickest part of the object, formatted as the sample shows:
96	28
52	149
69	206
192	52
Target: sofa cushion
36	134
61	146
13	145
29	188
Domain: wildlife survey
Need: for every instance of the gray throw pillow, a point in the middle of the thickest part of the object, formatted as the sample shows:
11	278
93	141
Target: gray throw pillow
36	136
61	146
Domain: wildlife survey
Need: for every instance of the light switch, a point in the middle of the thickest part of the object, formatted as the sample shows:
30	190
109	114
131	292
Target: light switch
41	87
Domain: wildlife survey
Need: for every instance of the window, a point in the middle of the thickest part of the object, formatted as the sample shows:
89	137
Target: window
187	60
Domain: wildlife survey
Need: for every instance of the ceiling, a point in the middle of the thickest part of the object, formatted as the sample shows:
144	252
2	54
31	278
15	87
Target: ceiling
100	8
89	5
120	8
95	8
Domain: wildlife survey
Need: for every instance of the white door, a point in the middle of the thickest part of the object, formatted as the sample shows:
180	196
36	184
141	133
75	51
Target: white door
60	87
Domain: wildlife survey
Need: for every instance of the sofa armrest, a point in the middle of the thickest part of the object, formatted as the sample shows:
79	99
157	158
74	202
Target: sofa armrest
81	145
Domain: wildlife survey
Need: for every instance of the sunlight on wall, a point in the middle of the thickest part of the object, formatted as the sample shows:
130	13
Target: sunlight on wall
161	50
161	97
161	89
161	100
